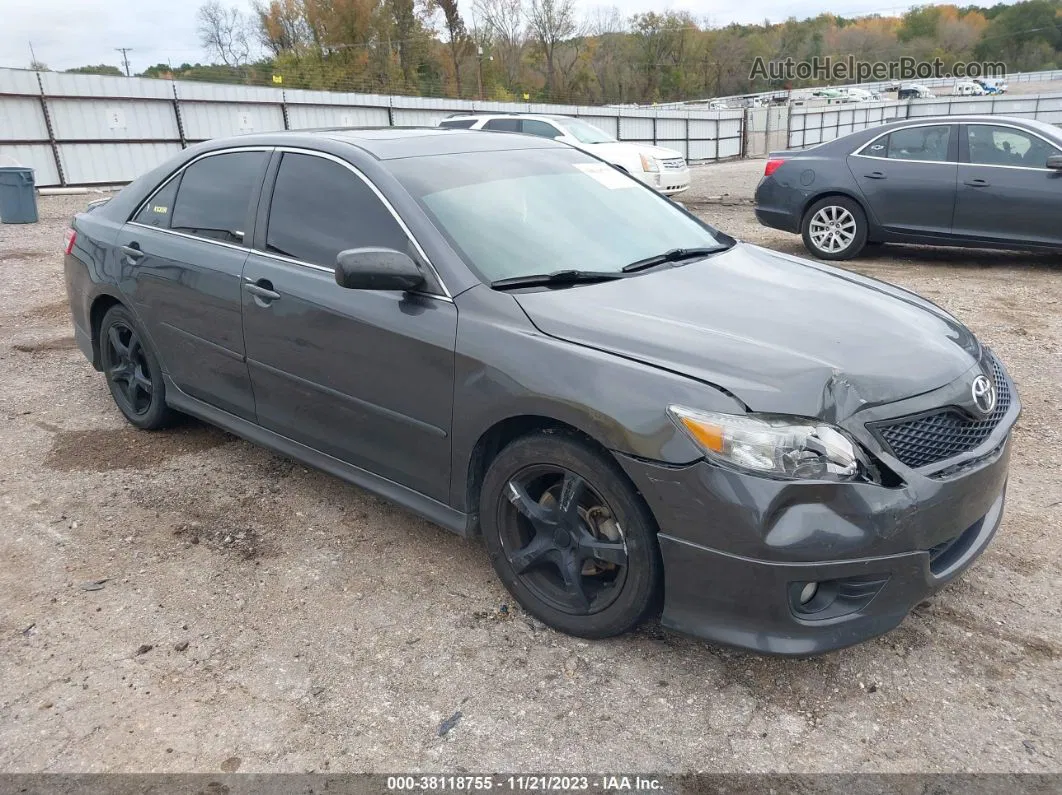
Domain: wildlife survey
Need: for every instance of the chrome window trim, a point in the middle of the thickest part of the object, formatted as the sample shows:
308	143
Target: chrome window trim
1047	141
960	121
180	171
447	296
383	199
859	152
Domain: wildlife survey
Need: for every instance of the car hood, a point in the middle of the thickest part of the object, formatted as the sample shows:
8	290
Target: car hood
782	334
619	149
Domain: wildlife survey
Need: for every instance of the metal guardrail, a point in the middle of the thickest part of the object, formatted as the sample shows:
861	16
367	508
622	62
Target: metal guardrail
90	130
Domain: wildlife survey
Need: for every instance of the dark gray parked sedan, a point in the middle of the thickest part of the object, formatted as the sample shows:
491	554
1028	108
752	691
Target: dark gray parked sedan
514	339
985	181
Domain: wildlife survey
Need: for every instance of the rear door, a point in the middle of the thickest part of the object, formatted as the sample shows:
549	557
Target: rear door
366	376
1006	194
183	256
908	178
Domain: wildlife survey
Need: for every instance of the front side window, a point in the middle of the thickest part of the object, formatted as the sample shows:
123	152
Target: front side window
992	145
159	209
533	211
920	143
539	128
503	125
320	208
215	194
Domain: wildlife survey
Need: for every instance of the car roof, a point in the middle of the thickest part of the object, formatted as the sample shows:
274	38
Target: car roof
510	115
390	143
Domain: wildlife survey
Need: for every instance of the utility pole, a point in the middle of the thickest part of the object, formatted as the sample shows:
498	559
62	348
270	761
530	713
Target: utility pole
479	74
125	57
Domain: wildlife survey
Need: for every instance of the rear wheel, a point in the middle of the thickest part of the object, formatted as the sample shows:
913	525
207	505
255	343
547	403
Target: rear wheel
835	228
568	536
132	371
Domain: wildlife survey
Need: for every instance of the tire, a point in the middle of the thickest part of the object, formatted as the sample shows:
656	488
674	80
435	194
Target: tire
591	535
132	370
845	239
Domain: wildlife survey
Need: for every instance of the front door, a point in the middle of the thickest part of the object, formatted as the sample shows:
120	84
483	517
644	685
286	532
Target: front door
1006	193
908	179
184	253
365	376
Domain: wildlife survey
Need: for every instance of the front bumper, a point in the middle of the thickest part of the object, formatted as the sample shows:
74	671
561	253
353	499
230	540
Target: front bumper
669	181
738	549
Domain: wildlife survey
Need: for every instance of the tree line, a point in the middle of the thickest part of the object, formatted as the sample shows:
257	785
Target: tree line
549	50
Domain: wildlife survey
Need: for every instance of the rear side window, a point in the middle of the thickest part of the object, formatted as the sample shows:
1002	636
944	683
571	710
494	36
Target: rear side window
920	143
320	208
215	195
458	124
539	128
503	125
159	209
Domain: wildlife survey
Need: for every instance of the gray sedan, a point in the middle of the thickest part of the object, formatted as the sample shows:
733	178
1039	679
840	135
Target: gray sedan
782	455
983	181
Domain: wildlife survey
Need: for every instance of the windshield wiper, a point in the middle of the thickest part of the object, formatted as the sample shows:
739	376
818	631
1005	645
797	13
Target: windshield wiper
675	255
556	278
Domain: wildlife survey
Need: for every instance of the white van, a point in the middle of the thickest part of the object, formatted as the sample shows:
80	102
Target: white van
967	88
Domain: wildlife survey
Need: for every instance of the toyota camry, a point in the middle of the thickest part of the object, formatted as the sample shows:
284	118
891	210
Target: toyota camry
516	340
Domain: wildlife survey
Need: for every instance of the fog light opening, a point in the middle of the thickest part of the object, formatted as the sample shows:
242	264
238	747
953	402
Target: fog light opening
807	593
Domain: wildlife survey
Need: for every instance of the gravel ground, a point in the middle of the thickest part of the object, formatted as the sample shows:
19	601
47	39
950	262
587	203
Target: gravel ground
185	601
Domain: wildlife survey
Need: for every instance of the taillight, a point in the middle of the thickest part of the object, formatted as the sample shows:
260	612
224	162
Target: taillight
772	165
70	239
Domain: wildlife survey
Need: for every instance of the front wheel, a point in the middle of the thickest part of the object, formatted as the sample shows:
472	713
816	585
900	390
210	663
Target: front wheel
835	228
569	537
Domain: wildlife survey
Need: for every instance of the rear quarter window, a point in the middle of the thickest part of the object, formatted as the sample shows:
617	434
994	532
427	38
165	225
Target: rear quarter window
458	124
159	208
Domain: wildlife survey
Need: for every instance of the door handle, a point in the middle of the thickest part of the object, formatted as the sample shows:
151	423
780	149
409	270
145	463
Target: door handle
132	251
875	175
263	291
977	183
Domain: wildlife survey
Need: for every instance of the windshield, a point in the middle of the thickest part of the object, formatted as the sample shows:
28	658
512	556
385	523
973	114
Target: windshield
533	211
586	133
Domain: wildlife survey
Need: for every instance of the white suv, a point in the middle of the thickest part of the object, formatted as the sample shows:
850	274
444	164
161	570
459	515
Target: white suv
663	169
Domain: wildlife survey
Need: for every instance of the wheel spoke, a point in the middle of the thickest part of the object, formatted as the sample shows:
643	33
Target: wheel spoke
607	551
571	567
142	381
538	515
571	491
537	551
116	342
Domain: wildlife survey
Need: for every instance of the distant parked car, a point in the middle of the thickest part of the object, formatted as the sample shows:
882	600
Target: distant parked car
660	168
967	88
860	95
986	181
915	91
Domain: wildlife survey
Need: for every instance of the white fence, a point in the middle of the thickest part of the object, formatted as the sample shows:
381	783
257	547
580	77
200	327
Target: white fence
87	129
813	125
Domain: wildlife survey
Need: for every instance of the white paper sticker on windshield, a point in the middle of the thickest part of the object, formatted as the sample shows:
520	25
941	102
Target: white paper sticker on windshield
607	175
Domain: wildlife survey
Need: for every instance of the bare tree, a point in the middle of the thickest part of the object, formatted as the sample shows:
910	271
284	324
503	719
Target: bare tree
459	42
551	22
504	20
606	25
223	32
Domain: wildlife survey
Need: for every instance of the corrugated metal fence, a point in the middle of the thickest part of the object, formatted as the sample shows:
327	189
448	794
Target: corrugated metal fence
92	130
813	125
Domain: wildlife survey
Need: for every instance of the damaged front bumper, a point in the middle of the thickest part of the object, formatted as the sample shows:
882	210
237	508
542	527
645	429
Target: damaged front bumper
741	552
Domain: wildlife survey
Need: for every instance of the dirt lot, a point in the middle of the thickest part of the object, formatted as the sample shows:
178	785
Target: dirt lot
184	601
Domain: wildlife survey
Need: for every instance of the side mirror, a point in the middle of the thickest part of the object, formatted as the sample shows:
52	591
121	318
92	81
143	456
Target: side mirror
377	269
1054	162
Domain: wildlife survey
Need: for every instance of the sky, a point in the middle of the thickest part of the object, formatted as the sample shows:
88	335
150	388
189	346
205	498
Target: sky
69	33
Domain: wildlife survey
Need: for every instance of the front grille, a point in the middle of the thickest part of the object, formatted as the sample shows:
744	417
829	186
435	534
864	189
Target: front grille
674	164
939	435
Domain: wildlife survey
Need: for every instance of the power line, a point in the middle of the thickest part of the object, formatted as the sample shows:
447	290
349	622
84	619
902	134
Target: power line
125	57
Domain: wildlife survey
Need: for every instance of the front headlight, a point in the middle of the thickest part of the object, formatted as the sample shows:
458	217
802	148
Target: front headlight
775	445
649	164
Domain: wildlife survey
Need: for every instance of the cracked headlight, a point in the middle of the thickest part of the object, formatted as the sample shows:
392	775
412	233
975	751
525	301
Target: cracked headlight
775	445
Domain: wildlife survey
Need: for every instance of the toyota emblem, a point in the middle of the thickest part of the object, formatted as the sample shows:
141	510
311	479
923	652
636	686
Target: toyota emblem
984	394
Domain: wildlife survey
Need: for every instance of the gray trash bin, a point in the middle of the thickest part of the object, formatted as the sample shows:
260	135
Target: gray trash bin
18	198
